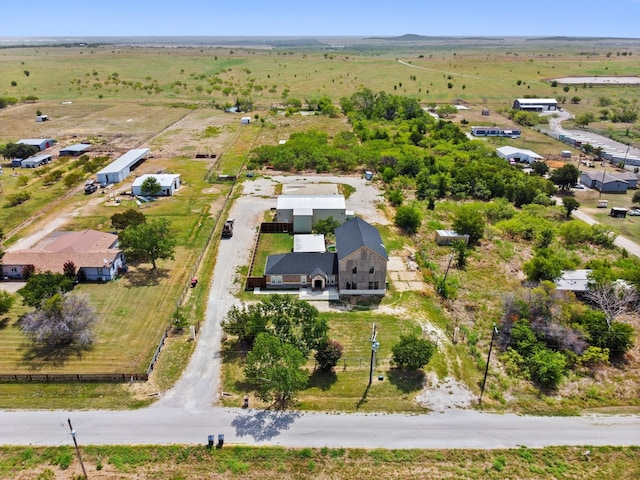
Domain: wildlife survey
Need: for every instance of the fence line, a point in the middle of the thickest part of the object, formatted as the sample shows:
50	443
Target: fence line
73	377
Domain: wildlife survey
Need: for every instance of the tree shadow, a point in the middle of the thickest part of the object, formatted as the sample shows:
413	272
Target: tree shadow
36	356
146	277
322	379
263	425
4	322
406	380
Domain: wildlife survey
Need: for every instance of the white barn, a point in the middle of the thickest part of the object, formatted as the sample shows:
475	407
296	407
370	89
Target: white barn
120	168
168	182
304	211
535	104
518	154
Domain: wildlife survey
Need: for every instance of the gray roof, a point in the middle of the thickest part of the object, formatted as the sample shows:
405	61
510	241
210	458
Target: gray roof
126	160
301	263
78	147
355	234
325	202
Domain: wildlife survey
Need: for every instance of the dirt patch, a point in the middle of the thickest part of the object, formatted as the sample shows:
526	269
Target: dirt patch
446	394
555	163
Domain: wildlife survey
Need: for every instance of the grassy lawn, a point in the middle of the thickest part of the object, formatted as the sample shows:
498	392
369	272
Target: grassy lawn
198	462
271	244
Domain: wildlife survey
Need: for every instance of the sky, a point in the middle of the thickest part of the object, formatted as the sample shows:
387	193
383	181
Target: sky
71	18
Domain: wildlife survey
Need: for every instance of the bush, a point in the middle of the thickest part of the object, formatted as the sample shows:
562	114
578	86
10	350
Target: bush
412	352
328	354
547	368
16	199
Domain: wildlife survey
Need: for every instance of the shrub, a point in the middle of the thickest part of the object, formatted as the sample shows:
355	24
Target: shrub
547	367
16	199
412	352
328	354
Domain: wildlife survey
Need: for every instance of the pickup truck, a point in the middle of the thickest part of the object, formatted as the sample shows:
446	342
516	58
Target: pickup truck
90	187
227	228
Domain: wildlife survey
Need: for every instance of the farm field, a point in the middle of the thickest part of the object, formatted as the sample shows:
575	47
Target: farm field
172	101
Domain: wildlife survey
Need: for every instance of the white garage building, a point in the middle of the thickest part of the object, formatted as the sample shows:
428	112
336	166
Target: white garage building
168	182
120	168
514	154
304	211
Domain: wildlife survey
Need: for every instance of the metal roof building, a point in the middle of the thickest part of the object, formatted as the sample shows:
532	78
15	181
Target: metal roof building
41	143
75	150
120	168
535	104
304	211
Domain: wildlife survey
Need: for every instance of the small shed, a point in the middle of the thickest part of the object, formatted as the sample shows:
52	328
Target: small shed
447	237
42	118
617	212
245	120
565	154
35	161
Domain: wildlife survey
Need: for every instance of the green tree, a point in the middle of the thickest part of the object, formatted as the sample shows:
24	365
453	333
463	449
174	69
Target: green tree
566	176
636	197
275	368
128	218
547	367
18	150
6	301
585	119
151	187
41	286
570	204
328	354
326	226
408	218
412	352
469	220
543	266
540	168
149	242
61	320
290	319
461	253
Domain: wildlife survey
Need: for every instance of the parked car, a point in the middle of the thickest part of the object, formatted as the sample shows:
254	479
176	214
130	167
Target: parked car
90	187
634	212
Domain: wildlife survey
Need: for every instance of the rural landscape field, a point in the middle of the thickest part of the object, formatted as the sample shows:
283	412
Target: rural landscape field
185	103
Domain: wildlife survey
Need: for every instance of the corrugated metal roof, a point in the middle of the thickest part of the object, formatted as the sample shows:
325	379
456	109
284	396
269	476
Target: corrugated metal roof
327	202
129	158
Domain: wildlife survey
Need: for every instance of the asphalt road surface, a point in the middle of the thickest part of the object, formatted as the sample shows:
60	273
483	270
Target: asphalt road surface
186	415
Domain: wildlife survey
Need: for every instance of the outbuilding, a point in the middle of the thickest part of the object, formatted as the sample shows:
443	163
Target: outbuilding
535	104
42	118
120	168
245	120
169	183
75	150
518	154
604	182
447	237
41	143
304	211
35	161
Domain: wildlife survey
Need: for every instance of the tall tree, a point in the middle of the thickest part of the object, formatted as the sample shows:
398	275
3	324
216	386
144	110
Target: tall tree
570	204
275	367
149	242
566	176
61	320
128	218
470	221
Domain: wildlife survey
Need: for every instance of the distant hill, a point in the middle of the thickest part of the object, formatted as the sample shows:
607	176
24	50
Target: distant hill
412	37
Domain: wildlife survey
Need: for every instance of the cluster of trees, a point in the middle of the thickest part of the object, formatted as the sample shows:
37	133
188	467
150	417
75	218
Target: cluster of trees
545	333
18	150
281	332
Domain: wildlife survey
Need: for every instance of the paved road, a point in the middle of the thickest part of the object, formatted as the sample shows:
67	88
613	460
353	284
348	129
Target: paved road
455	429
185	414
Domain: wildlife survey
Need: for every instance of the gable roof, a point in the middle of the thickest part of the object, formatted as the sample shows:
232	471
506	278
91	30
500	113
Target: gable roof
355	234
507	150
87	248
303	263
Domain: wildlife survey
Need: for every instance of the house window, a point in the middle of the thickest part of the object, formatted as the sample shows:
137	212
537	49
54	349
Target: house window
331	279
372	270
303	279
100	271
276	279
354	270
14	269
370	285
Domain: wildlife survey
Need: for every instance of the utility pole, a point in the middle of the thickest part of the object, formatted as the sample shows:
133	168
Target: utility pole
374	348
486	370
444	280
75	442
